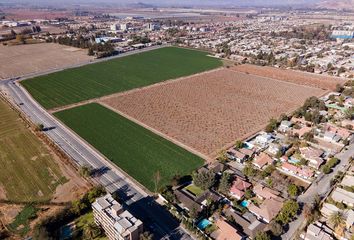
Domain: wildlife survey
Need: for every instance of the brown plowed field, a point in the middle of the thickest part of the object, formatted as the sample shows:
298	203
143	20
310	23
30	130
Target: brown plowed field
26	59
211	110
297	77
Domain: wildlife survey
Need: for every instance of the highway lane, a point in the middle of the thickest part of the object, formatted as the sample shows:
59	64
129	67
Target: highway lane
163	226
159	221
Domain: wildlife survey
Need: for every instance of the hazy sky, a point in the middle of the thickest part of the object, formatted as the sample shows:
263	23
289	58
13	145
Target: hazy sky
172	2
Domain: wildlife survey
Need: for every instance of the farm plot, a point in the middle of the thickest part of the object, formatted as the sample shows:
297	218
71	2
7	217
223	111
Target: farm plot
121	74
297	77
131	147
26	59
211	110
28	171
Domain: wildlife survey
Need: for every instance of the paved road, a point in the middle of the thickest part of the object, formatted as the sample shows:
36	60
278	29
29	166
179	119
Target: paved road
157	219
321	186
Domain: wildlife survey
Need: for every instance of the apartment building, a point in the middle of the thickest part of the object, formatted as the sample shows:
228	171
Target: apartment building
118	223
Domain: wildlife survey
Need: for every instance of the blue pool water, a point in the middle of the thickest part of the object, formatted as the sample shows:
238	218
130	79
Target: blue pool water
244	203
248	146
66	232
293	160
203	224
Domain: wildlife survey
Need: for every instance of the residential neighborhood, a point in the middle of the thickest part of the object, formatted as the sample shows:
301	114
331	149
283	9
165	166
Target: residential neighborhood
181	120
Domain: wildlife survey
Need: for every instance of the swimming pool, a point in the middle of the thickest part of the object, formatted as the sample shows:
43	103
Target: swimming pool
247	145
203	224
244	203
293	160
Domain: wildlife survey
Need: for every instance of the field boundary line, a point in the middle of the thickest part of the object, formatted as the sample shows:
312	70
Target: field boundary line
108	162
127	178
94	61
118	94
157	132
278	80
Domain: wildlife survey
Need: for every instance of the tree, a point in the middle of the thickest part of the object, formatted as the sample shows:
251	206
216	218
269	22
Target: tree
268	170
276	229
193	213
238	144
337	219
146	236
204	179
289	210
293	190
96	192
40	127
157	179
222	156
85	171
339	87
91	231
262	236
176	180
77	206
249	171
91	52
225	183
272	125
349	113
248	194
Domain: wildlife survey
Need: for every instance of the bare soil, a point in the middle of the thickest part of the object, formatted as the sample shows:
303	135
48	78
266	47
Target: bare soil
71	190
297	77
212	110
27	59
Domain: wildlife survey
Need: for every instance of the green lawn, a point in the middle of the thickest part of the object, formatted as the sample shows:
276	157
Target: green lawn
133	148
96	80
27	170
197	191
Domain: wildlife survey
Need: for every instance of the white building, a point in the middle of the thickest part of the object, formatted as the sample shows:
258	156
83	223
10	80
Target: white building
125	26
115	27
153	26
118	224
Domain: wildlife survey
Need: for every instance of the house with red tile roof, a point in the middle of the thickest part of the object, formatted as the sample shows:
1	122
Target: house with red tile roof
268	210
313	155
238	188
225	231
303	171
301	120
347	122
342	132
289	168
262	160
234	154
302	131
248	152
264	192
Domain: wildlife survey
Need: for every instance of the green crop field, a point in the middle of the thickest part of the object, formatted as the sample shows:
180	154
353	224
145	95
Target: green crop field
28	172
136	150
121	74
